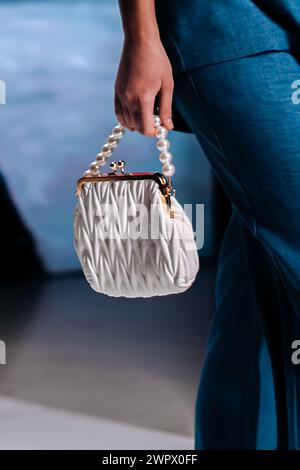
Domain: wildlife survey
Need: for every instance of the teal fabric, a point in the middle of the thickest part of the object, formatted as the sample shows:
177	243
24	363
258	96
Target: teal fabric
234	62
202	32
242	114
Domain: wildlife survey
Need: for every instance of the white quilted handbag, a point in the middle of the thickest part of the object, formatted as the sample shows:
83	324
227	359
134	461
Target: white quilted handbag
131	236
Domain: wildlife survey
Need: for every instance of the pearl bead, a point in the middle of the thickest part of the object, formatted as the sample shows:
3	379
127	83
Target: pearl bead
88	173
118	131
165	157
112	141
101	159
94	167
162	144
156	120
168	169
106	150
161	132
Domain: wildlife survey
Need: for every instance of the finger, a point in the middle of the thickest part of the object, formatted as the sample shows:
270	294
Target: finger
128	118
165	105
119	112
143	115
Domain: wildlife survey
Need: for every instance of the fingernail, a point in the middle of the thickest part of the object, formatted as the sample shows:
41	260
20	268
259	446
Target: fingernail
170	123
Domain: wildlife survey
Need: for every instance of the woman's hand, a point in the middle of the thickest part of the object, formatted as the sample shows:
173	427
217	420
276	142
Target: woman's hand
144	72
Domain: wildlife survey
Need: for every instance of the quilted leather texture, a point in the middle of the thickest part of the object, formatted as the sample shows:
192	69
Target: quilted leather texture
127	243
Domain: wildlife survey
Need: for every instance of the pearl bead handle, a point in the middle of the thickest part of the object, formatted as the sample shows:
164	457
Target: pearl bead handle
162	145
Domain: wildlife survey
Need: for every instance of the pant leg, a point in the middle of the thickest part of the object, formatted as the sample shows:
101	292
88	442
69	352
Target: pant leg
235	406
279	323
247	105
242	113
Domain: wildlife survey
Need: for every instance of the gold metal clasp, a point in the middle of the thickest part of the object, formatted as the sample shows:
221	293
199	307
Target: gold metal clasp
117	166
164	184
170	190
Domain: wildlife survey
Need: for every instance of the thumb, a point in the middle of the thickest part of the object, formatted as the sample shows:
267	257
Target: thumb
165	105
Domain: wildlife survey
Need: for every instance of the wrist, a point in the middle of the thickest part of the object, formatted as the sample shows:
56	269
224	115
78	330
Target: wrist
141	39
139	21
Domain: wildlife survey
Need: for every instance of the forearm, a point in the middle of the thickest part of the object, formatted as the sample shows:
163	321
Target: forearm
139	20
145	72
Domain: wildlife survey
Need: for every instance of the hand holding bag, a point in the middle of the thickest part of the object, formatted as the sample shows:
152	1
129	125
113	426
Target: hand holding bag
131	236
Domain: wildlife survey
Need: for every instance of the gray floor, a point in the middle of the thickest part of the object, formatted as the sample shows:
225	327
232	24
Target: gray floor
37	427
135	362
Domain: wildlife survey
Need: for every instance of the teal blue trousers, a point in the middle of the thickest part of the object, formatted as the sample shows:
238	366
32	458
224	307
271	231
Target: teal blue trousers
243	115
